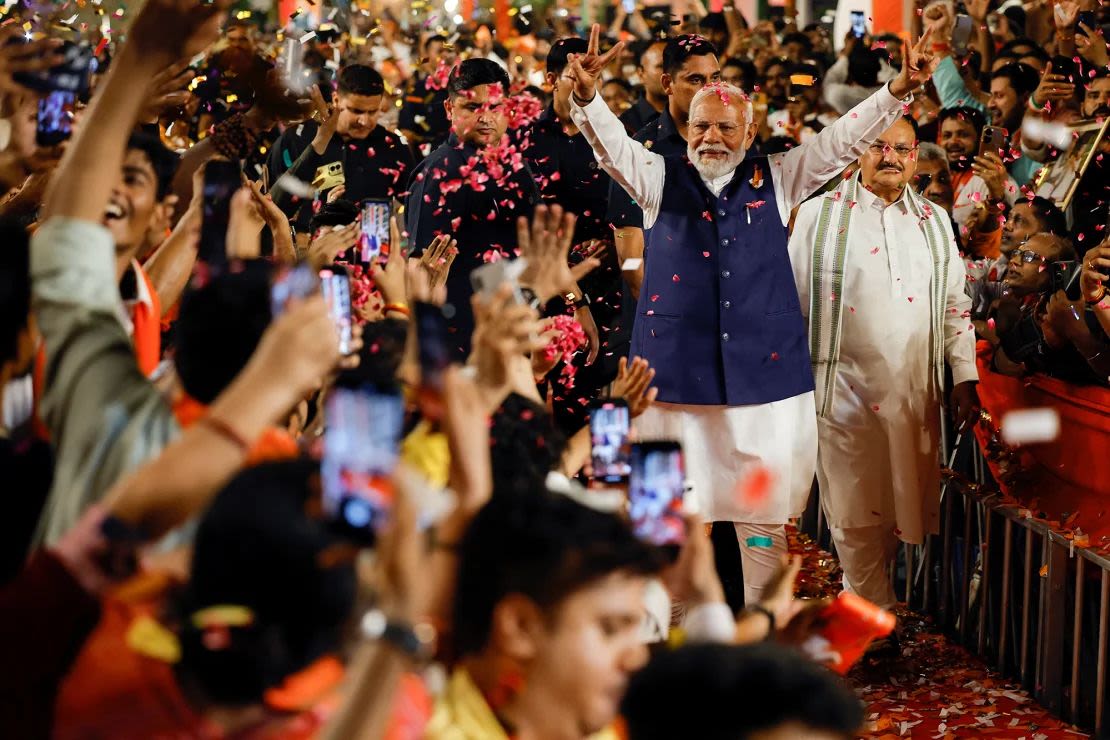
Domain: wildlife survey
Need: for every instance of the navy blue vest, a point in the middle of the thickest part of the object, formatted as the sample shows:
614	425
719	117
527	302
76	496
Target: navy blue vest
718	315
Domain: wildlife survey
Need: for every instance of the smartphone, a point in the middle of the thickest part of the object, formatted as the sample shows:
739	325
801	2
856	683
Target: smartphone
335	284
844	629
657	481
73	74
328	176
1087	18
374	235
55	118
485	280
120	558
962	30
610	453
293	71
221	180
994	140
1065	277
432	348
361	446
298	281
629	6
859	24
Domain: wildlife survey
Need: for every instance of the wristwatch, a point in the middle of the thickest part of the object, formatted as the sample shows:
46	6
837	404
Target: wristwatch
530	299
418	641
577	300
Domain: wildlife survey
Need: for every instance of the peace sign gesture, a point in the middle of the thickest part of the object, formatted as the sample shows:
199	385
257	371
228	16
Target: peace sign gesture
585	68
917	67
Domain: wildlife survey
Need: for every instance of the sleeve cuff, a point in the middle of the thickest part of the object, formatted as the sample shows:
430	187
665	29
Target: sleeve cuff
73	261
712	622
964	372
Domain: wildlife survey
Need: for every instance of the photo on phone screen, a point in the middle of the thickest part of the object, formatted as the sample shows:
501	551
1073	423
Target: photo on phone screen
221	180
994	140
55	118
298	281
655	491
335	284
859	24
360	451
375	229
610	453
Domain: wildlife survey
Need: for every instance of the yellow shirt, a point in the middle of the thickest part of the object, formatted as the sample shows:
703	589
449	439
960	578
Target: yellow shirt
461	713
427	451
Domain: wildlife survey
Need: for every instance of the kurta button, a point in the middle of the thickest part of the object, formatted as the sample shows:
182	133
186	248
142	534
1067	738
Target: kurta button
724	242
593	165
724	337
725	273
721	212
726	304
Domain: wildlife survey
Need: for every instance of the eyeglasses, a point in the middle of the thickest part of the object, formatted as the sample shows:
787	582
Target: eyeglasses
879	149
1028	256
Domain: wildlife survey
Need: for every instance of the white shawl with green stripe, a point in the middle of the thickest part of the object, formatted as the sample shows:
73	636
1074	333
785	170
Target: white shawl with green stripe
826	304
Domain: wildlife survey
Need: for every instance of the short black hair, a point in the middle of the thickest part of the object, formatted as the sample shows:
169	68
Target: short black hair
259	548
436	38
162	160
220	325
1011	47
863	66
777	684
15	287
1036	52
543	546
713	22
1022	78
777	144
797	37
747	69
1054	220
619	82
557	57
963	113
360	79
524	446
470	73
681	48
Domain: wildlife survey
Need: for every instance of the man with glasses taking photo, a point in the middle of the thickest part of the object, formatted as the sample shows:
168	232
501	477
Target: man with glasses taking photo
882	284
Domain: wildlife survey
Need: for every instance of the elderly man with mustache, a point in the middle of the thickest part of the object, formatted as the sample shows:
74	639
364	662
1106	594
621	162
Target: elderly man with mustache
718	314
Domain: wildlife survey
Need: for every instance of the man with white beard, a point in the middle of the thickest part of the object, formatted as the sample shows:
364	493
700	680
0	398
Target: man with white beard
718	315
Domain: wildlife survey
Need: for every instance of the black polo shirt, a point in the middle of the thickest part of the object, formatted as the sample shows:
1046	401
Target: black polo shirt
422	112
375	167
448	195
639	115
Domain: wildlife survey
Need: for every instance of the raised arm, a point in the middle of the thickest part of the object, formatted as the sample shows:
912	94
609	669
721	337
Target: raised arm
802	170
638	170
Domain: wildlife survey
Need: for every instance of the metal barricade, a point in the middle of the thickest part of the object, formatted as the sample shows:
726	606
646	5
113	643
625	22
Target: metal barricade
1014	592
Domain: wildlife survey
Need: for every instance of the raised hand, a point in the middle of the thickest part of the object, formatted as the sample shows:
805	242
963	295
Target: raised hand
438	258
167	91
170	30
917	67
1053	86
546	246
36	56
325	114
325	248
585	68
633	384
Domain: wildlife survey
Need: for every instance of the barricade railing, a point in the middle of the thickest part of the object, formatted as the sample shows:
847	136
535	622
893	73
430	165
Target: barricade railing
1012	590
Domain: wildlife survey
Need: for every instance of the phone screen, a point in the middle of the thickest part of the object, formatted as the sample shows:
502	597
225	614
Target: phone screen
360	451
55	118
431	335
375	229
859	24
994	140
656	486
293	69
629	6
335	284
961	34
1087	18
221	180
72	74
610	454
299	281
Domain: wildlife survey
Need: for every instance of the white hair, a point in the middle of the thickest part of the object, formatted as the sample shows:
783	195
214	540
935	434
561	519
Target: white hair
927	151
727	93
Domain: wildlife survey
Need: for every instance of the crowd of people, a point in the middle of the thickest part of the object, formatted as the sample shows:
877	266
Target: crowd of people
240	502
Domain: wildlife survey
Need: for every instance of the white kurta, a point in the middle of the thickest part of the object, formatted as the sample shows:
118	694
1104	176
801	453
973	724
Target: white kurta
724	445
878	460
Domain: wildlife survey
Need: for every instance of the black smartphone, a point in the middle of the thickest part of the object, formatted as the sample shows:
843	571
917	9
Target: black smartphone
361	447
335	284
995	140
221	180
374	237
1065	66
1065	277
656	485
432	347
55	118
859	24
120	560
298	281
73	74
610	452
1087	18
962	30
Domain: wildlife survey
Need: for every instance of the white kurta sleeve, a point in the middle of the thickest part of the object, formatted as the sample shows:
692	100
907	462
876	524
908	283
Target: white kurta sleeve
799	172
638	170
959	334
